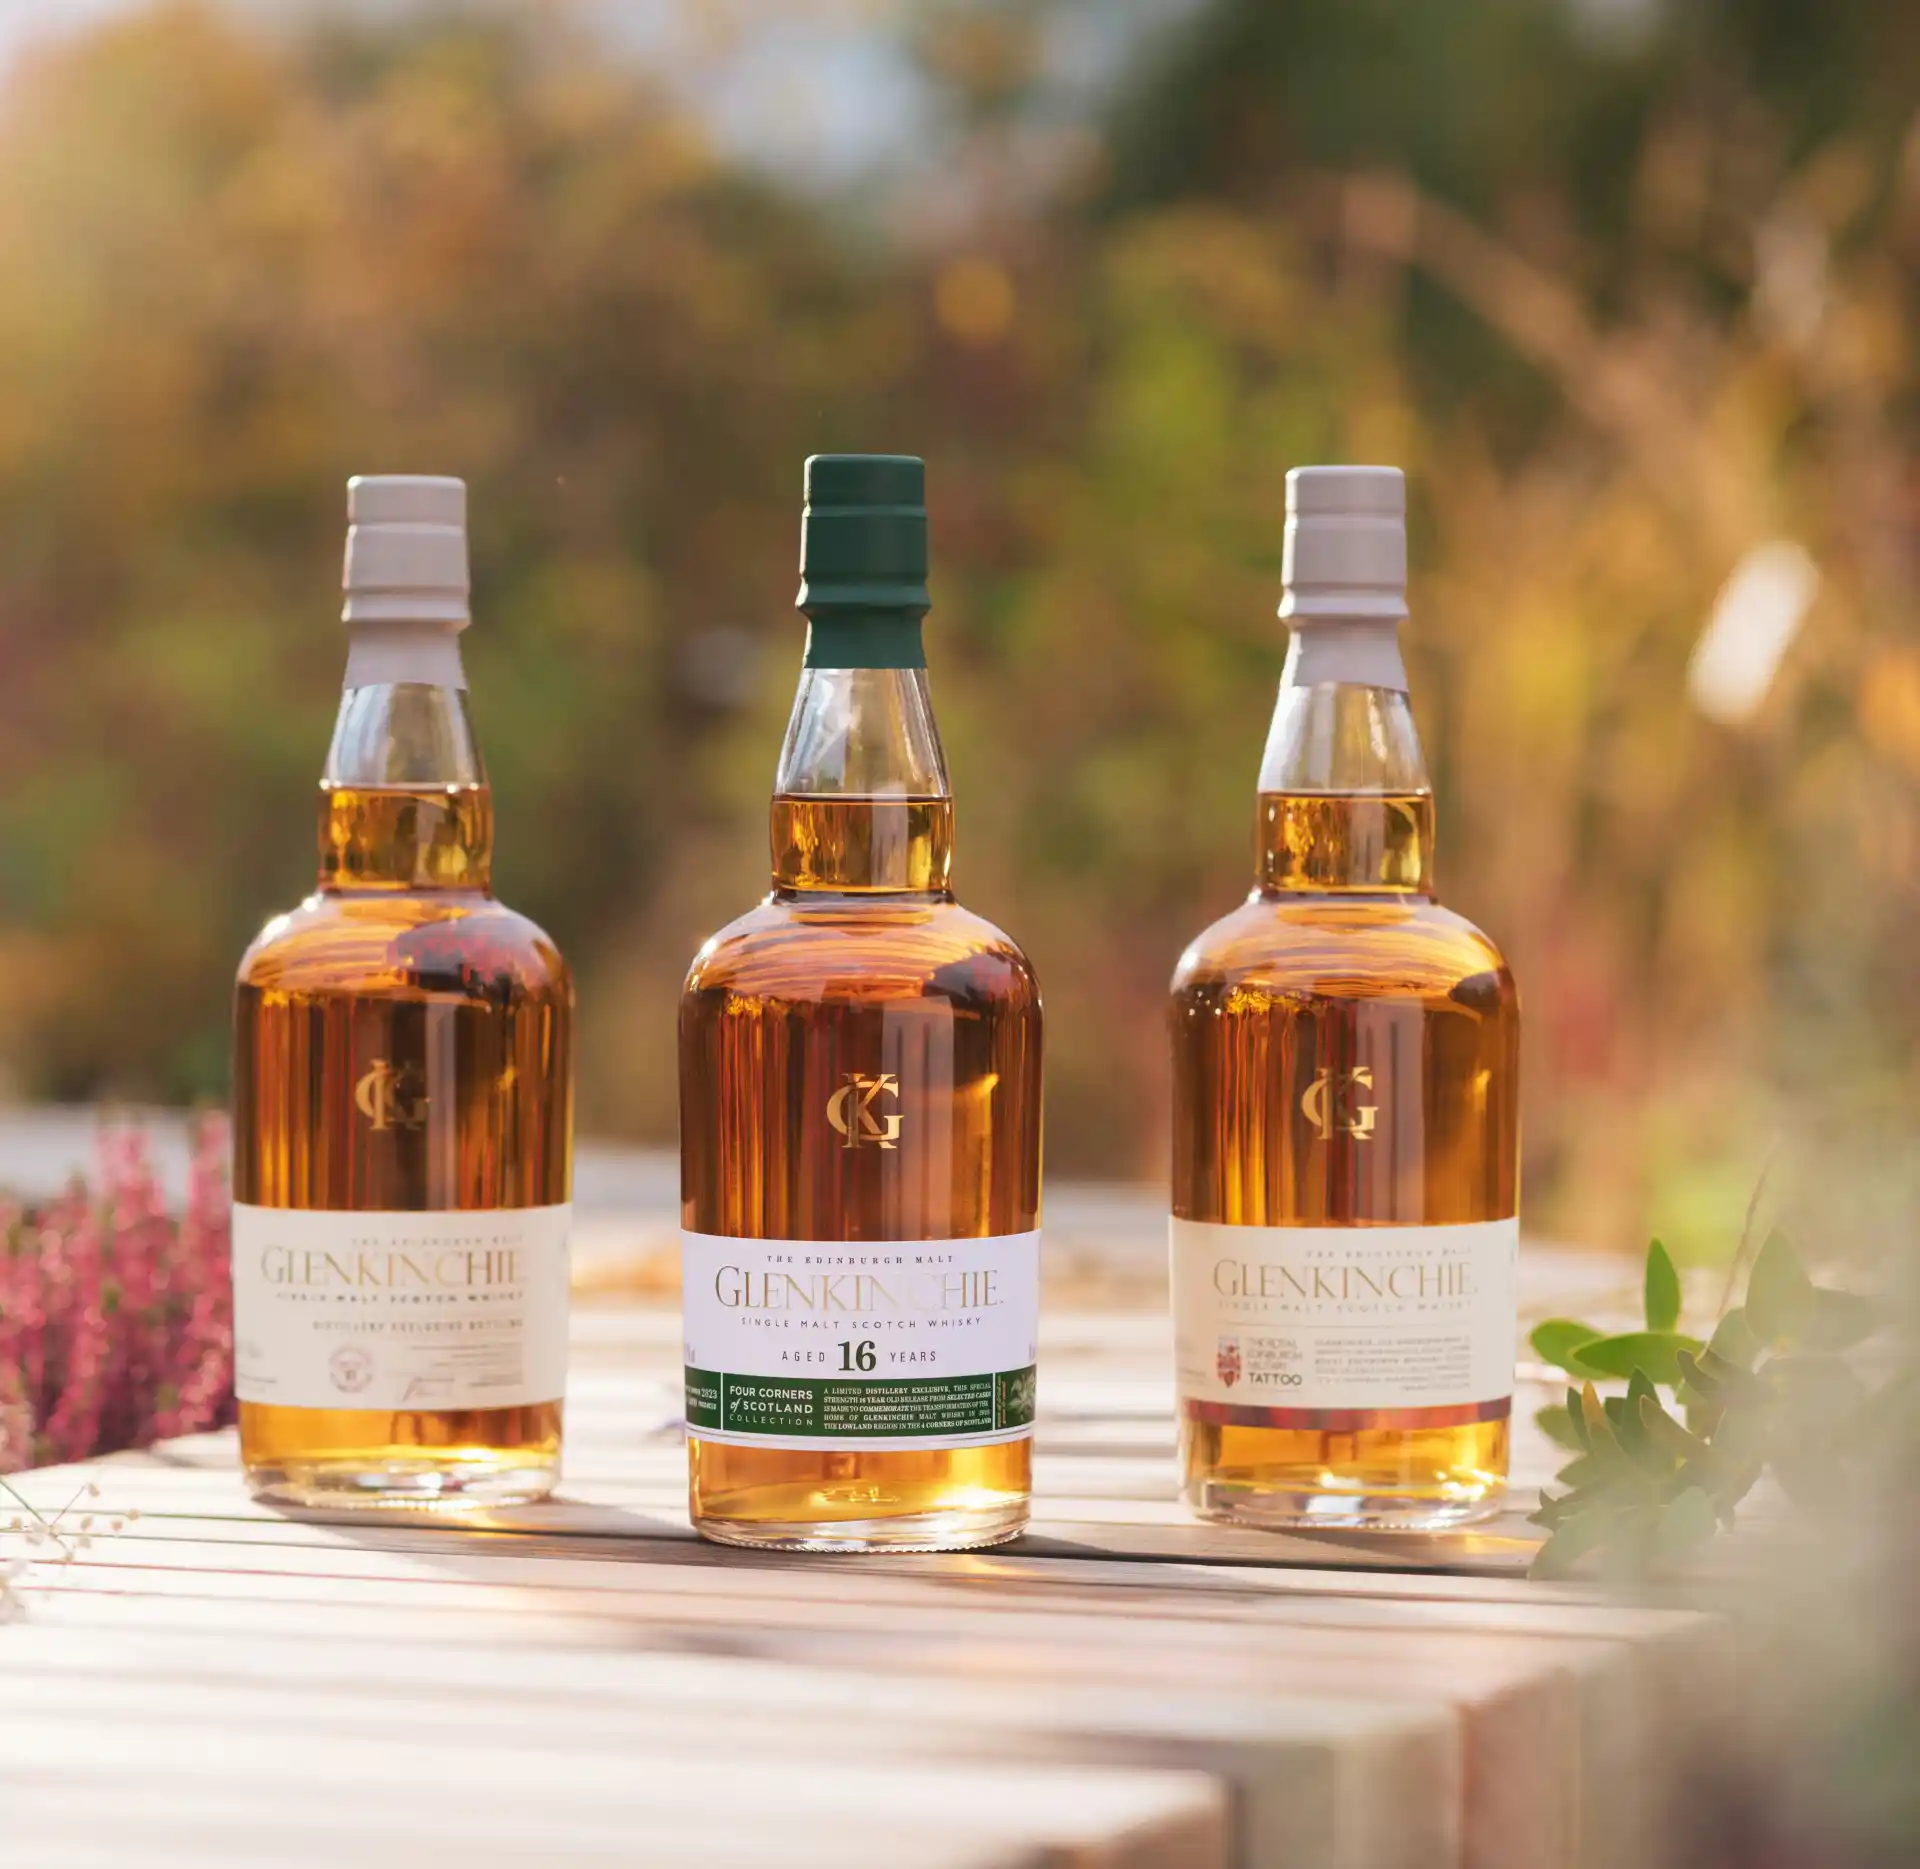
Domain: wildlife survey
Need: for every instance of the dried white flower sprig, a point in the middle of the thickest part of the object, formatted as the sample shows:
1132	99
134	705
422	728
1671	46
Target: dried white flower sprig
49	1540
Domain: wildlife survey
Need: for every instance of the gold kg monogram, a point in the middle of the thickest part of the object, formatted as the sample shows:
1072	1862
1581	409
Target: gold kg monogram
389	1098
850	1110
1332	1103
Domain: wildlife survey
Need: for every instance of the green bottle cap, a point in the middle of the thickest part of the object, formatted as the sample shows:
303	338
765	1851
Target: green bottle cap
863	560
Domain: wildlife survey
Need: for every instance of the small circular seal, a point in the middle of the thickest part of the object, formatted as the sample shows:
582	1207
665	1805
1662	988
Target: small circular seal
351	1368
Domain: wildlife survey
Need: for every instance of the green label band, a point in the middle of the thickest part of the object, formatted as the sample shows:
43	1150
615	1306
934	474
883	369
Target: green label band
831	1408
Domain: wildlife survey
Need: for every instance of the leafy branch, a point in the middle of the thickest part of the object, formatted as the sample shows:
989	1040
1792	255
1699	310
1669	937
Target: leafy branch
1771	1391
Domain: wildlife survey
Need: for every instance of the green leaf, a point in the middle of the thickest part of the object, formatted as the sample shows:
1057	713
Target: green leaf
1662	1302
1609	1457
1558	1339
1744	1434
1683	1525
1584	1470
1650	1456
1728	1382
1813	1481
1593	1417
1556	1423
1840	1320
1655	1351
1780	1297
1731	1485
1573	1538
1628	1554
1819	1390
1703	1413
1575	1418
1733	1340
1661	1427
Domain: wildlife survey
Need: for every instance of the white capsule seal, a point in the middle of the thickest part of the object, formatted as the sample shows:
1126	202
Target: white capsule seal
1345	576
406	579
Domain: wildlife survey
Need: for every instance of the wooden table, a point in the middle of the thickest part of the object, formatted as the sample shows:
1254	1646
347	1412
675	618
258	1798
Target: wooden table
585	1683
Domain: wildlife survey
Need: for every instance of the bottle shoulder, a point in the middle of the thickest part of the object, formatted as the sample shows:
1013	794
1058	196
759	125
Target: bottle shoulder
843	948
1344	946
373	943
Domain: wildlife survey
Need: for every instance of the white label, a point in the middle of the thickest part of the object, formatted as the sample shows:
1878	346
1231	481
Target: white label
1312	1326
445	1310
838	1346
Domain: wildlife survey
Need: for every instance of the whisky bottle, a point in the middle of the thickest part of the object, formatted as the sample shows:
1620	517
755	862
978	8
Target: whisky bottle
860	1109
402	1090
1345	1058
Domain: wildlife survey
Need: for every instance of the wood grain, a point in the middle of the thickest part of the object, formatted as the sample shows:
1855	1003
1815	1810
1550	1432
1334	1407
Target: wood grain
584	1682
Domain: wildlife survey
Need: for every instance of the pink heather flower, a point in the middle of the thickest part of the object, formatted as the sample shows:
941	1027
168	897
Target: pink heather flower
116	1321
16	1423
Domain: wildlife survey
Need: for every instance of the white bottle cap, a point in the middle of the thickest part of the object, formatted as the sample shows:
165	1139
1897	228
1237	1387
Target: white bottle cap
1346	549
406	578
1345	575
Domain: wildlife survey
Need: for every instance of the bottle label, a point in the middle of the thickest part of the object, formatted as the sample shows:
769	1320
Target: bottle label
886	1344
1339	1328
429	1311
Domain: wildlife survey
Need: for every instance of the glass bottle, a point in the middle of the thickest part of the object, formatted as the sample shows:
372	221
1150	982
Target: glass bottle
1346	1074
402	1090
860	1109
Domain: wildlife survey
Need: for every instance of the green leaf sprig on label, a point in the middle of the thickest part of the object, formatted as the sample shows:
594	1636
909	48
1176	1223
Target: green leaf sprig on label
1771	1391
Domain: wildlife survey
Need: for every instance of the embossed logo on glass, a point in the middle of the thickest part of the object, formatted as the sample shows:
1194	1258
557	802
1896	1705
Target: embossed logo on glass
1332	1104
853	1111
390	1098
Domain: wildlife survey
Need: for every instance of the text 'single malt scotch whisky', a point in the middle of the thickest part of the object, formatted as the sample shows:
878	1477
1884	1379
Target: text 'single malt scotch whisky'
402	1090
1345	1099
860	1109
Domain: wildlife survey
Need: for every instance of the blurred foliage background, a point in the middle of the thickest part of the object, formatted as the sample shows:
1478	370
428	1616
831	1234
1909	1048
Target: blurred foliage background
1630	288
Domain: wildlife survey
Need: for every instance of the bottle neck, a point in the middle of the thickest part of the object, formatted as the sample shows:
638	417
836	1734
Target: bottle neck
1345	802
861	804
404	801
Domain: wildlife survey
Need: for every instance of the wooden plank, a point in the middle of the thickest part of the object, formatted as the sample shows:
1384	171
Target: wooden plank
87	1822
1522	1700
1522	1723
1673	1653
1302	1772
454	1786
1510	1723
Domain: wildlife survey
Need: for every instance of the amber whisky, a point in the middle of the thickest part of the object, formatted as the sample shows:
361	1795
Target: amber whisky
1345	1059
402	1090
860	1109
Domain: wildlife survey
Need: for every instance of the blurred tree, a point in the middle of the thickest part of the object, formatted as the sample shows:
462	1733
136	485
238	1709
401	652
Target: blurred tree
1582	133
232	272
1628	290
